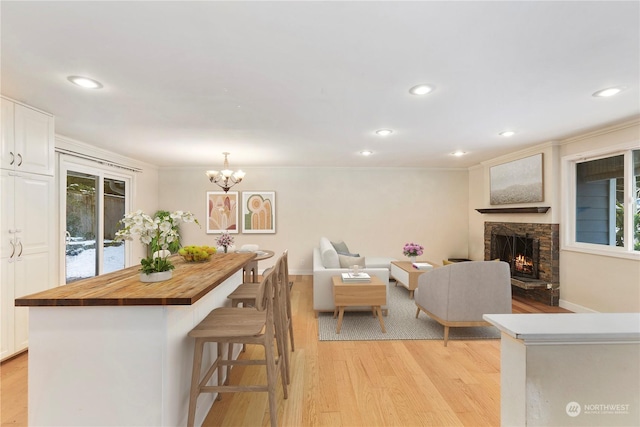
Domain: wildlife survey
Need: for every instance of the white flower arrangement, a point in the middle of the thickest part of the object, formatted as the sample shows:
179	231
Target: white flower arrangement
159	232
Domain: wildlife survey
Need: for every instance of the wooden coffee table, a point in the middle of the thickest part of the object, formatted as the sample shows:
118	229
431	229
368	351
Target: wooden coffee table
407	275
372	293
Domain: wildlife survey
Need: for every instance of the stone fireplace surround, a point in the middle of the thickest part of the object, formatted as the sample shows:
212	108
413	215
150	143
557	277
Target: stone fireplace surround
549	259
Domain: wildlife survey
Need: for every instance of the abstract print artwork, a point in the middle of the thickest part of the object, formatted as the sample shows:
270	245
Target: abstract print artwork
519	181
259	212
222	212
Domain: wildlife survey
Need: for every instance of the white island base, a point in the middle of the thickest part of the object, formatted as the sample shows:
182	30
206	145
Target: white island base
569	369
116	365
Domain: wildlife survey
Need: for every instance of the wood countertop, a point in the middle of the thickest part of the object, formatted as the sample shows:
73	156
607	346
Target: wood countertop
190	282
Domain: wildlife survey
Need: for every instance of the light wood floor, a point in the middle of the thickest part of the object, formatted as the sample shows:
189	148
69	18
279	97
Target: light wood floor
347	383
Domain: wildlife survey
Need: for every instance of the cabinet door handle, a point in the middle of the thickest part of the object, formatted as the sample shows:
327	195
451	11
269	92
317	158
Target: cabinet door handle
13	158
20	254
20	157
13	249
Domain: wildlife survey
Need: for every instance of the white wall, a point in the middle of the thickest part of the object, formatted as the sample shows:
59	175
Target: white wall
588	282
375	211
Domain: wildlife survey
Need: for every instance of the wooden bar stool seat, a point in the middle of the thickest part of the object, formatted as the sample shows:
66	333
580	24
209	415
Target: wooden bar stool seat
244	294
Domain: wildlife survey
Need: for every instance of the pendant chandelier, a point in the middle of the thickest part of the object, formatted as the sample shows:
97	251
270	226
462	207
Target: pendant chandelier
226	178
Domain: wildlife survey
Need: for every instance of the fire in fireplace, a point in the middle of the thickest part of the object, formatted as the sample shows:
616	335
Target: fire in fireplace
522	253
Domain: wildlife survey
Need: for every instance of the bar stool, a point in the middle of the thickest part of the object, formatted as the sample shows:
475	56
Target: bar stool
243	326
245	294
284	271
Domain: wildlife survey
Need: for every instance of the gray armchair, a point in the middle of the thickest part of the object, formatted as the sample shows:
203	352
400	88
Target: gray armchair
459	294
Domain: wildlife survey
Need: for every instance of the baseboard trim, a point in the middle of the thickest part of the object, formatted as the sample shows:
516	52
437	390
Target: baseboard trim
576	308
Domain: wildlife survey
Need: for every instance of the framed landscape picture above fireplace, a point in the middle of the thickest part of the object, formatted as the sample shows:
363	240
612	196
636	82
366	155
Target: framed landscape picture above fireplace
519	181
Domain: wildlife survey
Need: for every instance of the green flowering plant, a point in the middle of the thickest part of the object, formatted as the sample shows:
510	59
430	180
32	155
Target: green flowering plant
159	233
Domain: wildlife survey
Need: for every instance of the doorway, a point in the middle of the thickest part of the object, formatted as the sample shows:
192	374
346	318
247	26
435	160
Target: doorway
94	202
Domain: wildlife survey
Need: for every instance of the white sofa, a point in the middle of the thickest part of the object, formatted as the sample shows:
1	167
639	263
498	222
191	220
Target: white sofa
326	264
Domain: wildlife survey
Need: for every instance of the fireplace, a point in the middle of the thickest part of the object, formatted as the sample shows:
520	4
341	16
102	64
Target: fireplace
532	252
521	252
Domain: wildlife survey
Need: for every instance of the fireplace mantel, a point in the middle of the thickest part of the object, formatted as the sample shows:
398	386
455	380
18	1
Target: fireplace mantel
532	209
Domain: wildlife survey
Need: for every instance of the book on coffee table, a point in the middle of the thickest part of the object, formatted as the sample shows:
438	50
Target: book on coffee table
422	265
360	277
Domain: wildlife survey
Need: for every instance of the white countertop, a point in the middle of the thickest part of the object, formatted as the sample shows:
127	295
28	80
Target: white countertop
569	327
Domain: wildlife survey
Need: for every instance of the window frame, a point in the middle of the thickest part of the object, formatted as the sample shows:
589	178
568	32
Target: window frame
569	168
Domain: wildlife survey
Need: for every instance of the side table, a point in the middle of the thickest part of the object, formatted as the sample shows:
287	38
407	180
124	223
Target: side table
407	275
372	293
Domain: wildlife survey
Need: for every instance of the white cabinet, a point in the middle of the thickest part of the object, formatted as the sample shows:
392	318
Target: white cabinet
27	262
27	216
27	139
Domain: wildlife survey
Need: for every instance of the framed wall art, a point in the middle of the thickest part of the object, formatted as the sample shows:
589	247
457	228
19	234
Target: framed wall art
258	212
519	181
222	212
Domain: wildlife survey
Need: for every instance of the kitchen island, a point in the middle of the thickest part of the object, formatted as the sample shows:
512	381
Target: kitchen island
566	369
111	350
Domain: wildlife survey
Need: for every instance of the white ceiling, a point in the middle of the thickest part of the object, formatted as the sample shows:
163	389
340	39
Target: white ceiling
308	83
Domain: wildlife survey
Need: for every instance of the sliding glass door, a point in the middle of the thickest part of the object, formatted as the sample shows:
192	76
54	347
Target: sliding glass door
94	201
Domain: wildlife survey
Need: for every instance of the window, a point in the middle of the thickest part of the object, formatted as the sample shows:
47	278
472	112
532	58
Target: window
606	213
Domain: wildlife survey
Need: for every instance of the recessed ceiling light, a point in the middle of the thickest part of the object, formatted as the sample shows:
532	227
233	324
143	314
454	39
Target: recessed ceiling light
85	82
458	153
507	133
421	89
608	92
366	153
384	132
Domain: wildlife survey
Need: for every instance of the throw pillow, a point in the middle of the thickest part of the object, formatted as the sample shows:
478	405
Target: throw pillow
348	261
347	254
340	247
446	262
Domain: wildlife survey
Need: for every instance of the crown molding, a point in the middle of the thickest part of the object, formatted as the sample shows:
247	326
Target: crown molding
602	131
70	144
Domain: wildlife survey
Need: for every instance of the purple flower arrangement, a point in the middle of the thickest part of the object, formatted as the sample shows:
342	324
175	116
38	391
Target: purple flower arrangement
225	240
412	249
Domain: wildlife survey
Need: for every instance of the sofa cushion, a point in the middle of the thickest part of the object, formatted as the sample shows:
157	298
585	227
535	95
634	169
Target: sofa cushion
347	261
340	247
328	254
379	262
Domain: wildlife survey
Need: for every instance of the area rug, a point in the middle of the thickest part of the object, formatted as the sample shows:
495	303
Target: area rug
400	322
